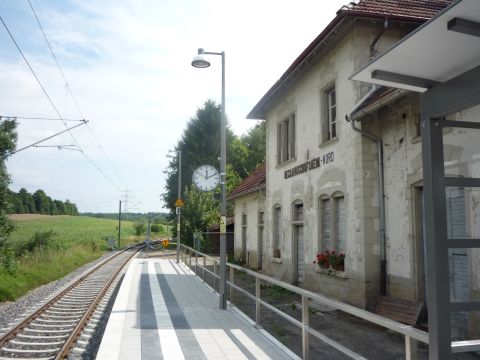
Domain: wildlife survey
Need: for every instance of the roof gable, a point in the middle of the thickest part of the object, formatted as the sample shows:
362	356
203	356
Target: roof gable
417	11
252	183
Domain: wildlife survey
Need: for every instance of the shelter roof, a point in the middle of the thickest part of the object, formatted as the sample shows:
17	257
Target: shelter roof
441	49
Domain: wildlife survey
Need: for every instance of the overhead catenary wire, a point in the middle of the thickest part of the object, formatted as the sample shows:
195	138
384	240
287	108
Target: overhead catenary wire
53	105
48	138
39	118
54	57
67	86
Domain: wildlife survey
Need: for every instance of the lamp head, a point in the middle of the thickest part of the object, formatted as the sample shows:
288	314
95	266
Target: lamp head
199	61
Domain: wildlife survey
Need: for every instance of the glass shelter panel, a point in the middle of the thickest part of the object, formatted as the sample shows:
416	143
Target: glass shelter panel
461	152
463	212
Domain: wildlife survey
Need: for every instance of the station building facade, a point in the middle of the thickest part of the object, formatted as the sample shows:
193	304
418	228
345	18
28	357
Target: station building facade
324	178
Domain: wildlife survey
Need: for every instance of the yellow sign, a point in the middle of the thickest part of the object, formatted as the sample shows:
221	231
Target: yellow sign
223	224
165	243
179	203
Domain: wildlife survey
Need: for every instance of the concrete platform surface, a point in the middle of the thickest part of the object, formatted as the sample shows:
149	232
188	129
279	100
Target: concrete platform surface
163	311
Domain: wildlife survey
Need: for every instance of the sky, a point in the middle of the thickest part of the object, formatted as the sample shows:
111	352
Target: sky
128	66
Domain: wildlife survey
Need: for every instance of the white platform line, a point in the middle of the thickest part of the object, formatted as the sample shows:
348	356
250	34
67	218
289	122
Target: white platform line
110	347
168	338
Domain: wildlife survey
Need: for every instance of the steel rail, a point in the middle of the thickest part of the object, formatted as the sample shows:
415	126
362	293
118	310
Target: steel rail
77	331
10	334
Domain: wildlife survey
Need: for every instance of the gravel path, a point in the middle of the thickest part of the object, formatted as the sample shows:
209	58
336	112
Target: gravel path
13	311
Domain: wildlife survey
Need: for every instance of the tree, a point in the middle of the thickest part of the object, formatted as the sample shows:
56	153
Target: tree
199	144
42	204
8	139
255	143
200	210
60	206
27	200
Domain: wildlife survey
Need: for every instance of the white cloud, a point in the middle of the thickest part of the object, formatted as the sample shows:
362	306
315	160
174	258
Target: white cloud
128	65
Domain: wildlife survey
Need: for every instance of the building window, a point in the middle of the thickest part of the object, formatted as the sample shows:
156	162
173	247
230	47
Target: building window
330	114
286	139
333	223
277	231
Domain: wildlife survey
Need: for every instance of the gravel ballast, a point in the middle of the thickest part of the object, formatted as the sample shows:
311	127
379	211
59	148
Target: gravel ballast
12	312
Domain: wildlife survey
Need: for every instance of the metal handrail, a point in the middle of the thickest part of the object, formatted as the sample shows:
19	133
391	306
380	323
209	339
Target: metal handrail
411	334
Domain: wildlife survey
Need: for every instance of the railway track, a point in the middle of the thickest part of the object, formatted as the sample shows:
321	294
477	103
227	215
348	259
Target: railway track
54	329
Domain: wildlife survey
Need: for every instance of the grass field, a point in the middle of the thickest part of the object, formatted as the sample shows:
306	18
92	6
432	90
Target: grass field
76	241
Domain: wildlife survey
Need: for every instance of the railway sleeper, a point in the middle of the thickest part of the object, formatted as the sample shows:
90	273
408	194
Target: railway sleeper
23	358
82	344
51	326
85	337
51	310
70	309
57	320
42	338
88	331
44	331
60	317
77	300
23	344
77	351
34	352
74	303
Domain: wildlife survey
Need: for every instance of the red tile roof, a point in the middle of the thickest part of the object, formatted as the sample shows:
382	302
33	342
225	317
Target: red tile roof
417	11
254	182
414	9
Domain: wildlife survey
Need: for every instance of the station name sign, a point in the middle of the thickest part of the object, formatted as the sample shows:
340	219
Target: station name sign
310	165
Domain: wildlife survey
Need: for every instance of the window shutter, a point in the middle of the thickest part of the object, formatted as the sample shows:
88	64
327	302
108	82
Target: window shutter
277	230
279	143
291	138
285	140
326	224
341	221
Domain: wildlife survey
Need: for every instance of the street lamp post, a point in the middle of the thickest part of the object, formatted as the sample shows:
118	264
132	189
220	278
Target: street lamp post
199	61
179	196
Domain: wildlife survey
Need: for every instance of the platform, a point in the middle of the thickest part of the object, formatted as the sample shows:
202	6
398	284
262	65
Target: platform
163	311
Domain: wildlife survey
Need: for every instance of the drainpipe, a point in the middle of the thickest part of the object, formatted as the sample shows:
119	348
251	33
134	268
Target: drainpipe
373	52
381	191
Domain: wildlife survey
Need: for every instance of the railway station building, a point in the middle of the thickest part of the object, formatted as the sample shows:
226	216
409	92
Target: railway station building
344	173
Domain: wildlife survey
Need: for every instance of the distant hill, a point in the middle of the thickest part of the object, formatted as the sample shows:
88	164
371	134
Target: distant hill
156	217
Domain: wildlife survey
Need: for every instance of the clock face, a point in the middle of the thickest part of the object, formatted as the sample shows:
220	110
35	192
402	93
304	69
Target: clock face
206	178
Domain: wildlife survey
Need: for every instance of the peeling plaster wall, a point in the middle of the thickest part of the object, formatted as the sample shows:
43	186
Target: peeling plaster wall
353	172
395	124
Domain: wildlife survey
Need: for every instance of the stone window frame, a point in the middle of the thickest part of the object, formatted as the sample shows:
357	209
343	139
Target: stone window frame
286	138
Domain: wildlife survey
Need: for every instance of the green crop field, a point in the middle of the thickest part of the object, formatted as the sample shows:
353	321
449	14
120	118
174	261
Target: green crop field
45	248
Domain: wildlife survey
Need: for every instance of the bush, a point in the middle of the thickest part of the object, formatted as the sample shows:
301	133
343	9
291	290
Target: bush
8	262
139	227
156	228
43	240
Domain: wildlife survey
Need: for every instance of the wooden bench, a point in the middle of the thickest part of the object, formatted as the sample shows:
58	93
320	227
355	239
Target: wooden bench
403	311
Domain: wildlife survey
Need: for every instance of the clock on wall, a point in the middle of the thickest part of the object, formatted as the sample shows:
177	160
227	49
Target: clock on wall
206	178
